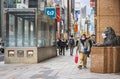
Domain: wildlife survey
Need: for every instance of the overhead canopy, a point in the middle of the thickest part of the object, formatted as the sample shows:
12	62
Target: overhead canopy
28	14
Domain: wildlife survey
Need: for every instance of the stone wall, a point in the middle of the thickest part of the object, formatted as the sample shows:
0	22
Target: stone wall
107	60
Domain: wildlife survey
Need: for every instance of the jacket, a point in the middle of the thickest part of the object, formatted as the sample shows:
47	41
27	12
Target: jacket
80	46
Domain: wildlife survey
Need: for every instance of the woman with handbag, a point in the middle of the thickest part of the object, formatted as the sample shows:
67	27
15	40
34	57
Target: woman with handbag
83	48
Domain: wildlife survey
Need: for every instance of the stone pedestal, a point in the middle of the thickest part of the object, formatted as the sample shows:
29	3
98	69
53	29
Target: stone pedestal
105	59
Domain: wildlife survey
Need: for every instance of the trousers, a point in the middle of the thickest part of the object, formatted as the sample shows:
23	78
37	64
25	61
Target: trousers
82	59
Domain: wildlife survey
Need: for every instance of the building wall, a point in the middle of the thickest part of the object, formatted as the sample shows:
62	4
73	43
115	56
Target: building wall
108	14
0	19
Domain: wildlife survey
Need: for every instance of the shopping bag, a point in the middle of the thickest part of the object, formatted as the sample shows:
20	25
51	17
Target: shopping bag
76	58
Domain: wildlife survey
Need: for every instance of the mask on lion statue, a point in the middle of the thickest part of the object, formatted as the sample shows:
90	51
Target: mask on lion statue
110	38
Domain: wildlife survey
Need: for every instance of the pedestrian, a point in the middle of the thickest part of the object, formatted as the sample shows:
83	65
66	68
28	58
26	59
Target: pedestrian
63	45
91	41
59	46
66	44
72	44
76	42
82	47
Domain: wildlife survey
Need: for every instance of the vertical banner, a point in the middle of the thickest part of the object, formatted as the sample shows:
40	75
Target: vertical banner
92	3
58	14
76	14
76	27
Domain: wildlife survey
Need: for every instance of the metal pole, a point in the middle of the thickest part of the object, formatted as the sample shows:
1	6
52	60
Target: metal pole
68	24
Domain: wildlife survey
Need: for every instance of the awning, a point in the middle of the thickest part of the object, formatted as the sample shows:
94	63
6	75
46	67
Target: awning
28	14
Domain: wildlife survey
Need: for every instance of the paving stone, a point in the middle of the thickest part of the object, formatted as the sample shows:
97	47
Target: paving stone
60	67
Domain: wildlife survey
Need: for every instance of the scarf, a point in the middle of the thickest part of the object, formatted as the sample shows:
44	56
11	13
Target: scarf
82	41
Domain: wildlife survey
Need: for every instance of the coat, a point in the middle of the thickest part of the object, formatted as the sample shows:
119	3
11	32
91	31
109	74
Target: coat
80	46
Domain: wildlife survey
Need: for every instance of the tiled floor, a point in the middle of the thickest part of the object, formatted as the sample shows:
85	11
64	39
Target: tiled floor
60	67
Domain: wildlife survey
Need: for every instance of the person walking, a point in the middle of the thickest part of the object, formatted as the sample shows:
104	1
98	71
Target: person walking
59	46
63	45
66	44
83	47
72	44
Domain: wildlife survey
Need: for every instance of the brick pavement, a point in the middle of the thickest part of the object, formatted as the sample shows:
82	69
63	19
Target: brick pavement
60	67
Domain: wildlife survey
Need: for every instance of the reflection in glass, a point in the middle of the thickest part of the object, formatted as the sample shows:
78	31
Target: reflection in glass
20	32
32	34
11	30
26	33
46	35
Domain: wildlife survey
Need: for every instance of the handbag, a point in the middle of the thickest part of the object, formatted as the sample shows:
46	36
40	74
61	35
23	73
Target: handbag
76	58
86	51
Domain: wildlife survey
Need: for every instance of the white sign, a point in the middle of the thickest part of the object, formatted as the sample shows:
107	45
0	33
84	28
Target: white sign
22	3
42	6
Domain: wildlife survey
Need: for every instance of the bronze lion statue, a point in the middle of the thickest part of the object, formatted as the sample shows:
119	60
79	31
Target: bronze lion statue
110	38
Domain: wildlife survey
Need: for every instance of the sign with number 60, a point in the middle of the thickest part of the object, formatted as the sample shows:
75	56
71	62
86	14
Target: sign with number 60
50	11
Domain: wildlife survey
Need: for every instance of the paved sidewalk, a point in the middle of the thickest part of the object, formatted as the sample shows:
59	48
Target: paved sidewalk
60	67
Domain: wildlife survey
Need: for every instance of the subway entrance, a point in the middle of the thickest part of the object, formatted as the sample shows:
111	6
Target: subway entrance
26	37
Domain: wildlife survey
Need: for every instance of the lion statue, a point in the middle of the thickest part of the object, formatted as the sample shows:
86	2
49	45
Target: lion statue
110	38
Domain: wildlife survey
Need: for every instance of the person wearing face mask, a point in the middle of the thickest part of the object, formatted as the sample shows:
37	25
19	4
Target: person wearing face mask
82	47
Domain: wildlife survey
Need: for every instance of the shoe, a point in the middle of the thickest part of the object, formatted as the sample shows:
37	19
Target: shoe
88	56
80	67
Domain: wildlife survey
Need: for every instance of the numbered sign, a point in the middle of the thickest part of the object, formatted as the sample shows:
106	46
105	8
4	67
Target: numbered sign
50	11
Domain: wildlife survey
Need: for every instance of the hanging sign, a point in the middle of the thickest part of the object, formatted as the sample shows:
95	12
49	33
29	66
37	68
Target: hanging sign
51	12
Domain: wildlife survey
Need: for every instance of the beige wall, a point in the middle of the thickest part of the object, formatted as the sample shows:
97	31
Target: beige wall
25	59
108	14
39	54
46	53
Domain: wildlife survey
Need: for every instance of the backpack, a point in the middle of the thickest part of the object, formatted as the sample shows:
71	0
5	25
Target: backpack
72	42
